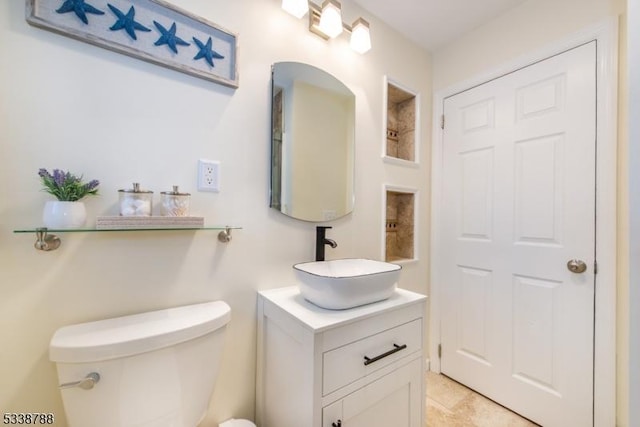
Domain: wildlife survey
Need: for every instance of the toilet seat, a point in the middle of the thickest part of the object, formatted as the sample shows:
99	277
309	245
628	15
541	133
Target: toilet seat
237	423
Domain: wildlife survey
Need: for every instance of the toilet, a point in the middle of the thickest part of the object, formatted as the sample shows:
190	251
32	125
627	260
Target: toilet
155	369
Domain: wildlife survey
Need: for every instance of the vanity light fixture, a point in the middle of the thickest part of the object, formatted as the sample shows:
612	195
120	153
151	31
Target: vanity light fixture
326	22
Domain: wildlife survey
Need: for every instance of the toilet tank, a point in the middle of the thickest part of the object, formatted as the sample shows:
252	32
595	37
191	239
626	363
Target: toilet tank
156	369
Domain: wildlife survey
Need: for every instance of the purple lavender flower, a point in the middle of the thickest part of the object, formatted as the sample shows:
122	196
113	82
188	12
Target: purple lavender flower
43	173
66	186
91	186
59	177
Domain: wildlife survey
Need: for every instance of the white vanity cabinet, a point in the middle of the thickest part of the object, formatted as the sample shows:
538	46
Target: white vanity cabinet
361	367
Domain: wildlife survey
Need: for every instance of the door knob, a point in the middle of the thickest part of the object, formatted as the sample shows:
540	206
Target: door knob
577	266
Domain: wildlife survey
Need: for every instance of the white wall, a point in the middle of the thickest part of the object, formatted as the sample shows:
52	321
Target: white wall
633	40
520	31
530	26
67	104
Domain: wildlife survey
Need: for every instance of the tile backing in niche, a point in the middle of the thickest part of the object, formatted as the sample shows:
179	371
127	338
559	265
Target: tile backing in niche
401	123
399	236
407	129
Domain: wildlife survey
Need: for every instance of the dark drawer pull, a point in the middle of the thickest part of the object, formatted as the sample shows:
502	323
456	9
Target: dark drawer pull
397	348
338	424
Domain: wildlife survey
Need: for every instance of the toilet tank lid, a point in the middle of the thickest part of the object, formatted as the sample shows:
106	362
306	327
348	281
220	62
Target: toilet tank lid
137	333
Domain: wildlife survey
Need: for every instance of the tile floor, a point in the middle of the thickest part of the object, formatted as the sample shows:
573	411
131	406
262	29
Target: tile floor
450	404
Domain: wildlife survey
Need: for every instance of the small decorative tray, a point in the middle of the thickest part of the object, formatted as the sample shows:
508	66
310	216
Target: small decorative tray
150	222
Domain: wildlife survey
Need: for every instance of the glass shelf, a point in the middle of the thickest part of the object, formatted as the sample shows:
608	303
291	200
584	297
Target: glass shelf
102	230
46	241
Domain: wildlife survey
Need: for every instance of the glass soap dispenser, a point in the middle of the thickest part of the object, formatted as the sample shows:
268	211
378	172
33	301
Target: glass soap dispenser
174	203
135	202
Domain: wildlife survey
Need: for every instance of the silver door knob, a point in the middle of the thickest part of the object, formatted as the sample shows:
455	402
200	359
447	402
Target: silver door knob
577	266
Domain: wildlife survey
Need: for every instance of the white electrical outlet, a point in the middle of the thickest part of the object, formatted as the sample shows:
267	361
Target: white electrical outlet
208	175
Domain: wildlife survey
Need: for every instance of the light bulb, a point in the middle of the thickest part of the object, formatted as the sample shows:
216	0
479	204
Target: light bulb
331	18
360	37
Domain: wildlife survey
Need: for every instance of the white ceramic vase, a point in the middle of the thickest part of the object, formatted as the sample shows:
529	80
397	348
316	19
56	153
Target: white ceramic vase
58	215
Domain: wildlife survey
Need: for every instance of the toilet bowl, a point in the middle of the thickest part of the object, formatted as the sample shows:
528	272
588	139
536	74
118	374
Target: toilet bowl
155	369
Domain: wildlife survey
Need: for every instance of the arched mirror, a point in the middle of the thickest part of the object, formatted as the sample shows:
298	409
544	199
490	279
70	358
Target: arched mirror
312	143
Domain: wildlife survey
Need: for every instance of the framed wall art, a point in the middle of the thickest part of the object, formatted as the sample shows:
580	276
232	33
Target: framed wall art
151	30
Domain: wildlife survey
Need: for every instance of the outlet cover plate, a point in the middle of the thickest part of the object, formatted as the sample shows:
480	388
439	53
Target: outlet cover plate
208	175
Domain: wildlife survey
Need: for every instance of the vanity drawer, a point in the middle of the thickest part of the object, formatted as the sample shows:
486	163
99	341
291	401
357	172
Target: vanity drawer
350	362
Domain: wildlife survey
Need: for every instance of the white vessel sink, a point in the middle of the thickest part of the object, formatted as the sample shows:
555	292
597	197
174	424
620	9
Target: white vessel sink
345	283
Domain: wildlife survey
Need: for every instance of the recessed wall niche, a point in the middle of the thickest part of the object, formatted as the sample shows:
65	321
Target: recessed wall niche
401	134
400	224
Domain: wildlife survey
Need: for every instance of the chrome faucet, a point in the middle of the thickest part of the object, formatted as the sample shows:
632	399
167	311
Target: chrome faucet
321	241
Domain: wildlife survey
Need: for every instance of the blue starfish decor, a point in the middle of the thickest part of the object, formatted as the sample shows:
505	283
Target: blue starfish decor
126	22
206	52
150	30
80	8
169	37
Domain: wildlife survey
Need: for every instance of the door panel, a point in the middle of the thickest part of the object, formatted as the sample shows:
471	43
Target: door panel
395	400
475	300
534	306
476	194
519	198
538	190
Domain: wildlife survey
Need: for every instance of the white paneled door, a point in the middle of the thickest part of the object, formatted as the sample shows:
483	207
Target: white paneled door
519	200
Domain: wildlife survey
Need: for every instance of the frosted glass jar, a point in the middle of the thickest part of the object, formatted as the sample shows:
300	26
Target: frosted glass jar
174	203
135	202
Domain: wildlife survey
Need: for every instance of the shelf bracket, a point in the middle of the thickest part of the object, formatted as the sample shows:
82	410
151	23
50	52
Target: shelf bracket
45	241
225	235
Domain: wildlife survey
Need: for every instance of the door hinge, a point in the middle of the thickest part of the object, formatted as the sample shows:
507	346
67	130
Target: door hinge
439	351
595	267
442	122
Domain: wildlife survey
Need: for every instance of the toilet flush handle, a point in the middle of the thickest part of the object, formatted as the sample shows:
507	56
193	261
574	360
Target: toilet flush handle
86	384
